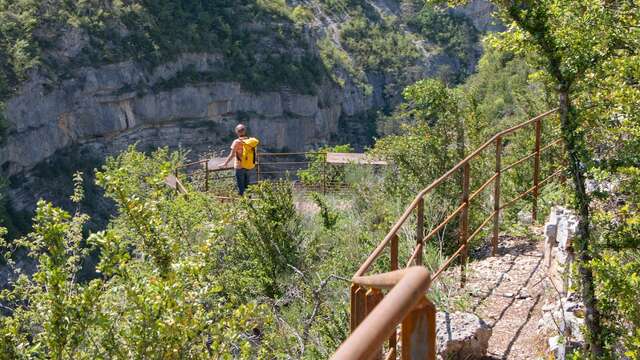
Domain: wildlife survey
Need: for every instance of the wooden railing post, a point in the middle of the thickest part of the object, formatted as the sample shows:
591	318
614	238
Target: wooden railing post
419	332
496	198
464	221
420	230
536	172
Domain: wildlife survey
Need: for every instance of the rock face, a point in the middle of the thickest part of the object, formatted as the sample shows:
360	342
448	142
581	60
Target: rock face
480	12
563	318
97	106
93	112
96	113
461	336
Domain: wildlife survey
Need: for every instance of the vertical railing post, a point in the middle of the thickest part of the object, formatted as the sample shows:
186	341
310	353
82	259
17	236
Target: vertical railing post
419	332
324	174
358	305
257	166
352	302
464	221
496	197
394	252
536	172
206	176
393	341
420	230
372	298
175	173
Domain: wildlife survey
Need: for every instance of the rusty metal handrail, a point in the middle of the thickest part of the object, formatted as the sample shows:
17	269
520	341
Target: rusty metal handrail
374	316
408	288
418	202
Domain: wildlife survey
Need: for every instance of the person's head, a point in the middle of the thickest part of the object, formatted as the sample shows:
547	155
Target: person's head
241	130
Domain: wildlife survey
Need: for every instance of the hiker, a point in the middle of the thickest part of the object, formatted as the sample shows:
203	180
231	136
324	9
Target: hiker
243	151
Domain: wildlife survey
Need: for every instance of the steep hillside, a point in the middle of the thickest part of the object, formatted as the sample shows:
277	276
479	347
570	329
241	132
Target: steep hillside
82	80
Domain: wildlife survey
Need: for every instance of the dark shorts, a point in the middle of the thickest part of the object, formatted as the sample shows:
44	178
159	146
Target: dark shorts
243	177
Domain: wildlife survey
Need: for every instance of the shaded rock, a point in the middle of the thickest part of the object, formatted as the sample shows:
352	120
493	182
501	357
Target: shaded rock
461	336
525	218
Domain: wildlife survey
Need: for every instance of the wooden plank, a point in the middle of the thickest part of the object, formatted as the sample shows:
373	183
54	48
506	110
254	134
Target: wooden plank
214	164
360	305
353	158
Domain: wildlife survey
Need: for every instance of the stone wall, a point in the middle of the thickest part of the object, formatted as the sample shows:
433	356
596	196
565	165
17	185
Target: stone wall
563	316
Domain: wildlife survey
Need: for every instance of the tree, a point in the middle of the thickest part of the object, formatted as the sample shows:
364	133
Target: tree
570	40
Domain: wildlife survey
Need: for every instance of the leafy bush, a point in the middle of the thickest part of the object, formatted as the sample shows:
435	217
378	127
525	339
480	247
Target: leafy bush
329	217
319	173
617	268
269	236
161	293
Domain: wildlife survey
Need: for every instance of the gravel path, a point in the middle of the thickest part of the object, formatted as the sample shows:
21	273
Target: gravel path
507	292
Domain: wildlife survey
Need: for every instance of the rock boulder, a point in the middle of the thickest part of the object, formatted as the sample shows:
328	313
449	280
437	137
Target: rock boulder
461	336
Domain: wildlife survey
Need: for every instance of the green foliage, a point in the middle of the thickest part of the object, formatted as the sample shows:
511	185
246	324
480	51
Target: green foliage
158	31
162	29
618	277
270	235
342	7
427	139
437	126
422	134
453	32
162	293
186	276
302	15
335	60
329	217
582	47
617	269
319	172
381	49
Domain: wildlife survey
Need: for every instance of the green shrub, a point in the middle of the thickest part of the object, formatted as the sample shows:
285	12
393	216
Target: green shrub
319	173
270	235
329	217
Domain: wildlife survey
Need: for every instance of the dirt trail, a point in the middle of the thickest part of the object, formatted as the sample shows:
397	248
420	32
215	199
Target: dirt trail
507	292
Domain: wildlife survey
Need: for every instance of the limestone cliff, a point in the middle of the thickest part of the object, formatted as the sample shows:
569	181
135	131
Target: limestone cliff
74	121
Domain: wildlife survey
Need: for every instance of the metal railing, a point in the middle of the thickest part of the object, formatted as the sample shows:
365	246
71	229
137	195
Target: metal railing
269	166
378	316
367	293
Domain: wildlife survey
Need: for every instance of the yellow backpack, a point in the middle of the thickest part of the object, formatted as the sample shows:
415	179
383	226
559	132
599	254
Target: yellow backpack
249	149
